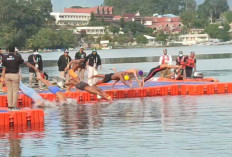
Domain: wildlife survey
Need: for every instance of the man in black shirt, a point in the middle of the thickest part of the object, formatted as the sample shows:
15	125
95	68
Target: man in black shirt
62	64
10	74
35	59
81	55
94	61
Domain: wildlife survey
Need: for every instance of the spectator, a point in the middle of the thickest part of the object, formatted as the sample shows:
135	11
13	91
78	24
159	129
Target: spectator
165	59
94	61
81	55
190	65
35	59
62	64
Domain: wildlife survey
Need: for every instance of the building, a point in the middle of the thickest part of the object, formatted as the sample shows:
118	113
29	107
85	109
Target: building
150	39
133	18
74	19
81	16
101	13
193	39
195	31
169	24
96	31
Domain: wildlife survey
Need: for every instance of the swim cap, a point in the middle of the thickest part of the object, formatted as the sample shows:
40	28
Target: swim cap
140	72
126	77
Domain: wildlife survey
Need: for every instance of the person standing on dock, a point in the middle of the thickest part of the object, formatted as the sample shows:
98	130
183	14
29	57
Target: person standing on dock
81	55
94	61
35	59
63	61
165	59
190	65
10	74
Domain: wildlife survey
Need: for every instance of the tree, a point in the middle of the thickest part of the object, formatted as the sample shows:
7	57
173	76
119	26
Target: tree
114	29
215	32
160	36
213	8
140	39
228	16
22	20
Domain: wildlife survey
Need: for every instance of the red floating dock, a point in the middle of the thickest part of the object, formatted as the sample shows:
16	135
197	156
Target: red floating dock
22	118
151	89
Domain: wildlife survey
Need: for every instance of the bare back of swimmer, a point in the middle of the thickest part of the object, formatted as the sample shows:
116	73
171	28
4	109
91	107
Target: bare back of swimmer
86	87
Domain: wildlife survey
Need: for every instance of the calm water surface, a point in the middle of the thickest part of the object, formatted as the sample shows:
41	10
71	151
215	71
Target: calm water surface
162	126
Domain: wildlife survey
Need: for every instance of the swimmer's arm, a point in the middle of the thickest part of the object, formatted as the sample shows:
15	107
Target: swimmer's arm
114	69
137	79
170	75
114	83
30	65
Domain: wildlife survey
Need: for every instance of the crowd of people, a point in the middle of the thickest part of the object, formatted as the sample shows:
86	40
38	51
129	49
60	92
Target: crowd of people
73	72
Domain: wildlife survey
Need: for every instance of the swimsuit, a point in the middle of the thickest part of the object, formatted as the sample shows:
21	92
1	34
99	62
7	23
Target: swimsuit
54	89
107	78
81	85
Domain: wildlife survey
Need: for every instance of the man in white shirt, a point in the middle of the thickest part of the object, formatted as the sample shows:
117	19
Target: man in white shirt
165	59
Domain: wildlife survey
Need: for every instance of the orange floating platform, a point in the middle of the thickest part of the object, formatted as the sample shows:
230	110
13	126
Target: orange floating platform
151	88
21	118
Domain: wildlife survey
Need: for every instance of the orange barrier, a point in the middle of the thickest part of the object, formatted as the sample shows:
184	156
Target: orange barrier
21	118
199	89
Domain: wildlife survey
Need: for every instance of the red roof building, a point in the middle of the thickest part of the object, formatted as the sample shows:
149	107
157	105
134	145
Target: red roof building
101	13
169	25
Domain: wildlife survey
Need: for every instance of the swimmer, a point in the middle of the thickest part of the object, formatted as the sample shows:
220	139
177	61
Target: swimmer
86	87
159	68
118	76
134	73
60	97
39	101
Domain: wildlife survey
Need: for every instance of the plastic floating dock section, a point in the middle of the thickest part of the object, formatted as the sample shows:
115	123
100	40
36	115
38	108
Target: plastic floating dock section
120	91
21	118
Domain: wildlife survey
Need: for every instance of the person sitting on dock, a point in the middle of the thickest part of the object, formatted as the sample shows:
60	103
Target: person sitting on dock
159	68
118	76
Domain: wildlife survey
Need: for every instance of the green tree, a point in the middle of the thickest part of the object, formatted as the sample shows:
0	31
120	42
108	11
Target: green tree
114	29
213	8
140	39
216	32
160	36
228	16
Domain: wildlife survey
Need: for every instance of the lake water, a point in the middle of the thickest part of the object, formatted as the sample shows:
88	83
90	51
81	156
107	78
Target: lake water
154	126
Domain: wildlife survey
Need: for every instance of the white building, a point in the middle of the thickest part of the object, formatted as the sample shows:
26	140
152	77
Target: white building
90	30
74	19
150	39
192	39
